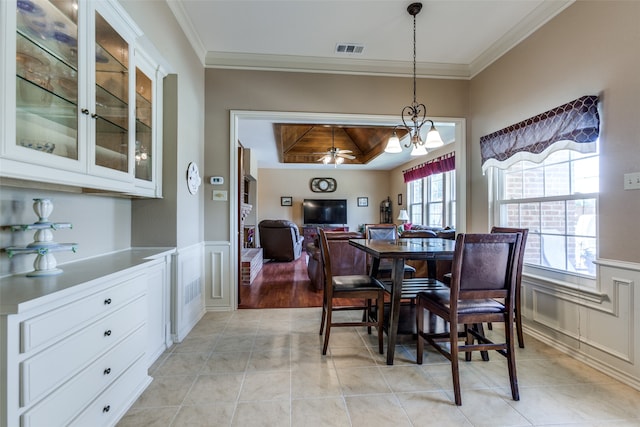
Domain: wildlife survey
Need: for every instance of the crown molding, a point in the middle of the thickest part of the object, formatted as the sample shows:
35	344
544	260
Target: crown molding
177	8
309	64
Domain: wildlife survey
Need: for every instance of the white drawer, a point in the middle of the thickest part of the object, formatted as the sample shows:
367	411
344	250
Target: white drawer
111	405
49	368
50	326
72	397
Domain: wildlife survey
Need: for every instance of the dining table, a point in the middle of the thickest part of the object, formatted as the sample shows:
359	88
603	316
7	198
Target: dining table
398	251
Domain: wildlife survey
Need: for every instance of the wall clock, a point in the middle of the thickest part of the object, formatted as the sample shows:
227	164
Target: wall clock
323	185
193	178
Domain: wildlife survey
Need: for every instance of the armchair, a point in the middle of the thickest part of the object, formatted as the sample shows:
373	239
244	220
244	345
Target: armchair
280	240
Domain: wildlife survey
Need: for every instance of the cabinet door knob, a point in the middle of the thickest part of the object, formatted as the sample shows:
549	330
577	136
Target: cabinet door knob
107	333
85	111
107	371
106	408
107	301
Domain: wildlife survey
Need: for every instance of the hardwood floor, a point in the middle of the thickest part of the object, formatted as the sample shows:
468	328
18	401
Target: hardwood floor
281	285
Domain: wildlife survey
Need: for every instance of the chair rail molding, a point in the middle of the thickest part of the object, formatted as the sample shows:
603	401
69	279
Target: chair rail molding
594	325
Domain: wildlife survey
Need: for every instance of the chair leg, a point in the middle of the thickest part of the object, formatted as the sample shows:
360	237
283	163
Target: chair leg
420	329
468	341
511	360
328	331
479	328
324	315
519	320
455	373
367	315
380	318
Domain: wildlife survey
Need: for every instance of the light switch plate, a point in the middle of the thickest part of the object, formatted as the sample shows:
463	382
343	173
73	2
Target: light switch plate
219	196
632	181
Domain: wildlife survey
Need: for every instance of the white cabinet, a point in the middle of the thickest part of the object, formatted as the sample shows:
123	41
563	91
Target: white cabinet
75	348
148	129
69	72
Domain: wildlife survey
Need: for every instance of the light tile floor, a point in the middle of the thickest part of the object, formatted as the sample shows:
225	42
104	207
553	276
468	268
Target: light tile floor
264	368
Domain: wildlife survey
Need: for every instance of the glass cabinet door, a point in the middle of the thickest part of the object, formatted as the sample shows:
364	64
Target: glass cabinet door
47	76
144	137
112	97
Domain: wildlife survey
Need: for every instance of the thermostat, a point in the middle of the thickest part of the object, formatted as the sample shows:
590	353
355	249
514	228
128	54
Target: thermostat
216	180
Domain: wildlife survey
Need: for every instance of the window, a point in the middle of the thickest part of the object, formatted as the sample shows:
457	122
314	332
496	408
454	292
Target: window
432	200
557	201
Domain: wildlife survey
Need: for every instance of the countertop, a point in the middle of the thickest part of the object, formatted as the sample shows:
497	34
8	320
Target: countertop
19	293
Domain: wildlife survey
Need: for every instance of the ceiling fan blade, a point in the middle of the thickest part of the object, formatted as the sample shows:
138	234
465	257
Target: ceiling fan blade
344	151
346	156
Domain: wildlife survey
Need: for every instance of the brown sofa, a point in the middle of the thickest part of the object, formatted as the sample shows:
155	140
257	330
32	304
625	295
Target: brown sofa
345	259
280	240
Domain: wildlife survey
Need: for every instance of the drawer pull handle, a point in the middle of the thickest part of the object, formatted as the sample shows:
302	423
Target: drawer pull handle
107	301
107	333
107	371
106	408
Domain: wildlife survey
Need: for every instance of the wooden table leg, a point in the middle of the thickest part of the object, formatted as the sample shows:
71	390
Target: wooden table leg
397	274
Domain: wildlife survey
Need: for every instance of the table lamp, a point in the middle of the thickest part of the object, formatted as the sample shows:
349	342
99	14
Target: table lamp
403	215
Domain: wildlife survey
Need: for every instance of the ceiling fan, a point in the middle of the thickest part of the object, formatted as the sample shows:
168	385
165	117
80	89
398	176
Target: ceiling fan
334	154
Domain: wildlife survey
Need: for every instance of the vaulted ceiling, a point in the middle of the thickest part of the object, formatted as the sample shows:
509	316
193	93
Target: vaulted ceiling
307	143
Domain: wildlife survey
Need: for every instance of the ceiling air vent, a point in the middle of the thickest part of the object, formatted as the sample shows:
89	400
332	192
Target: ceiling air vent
350	48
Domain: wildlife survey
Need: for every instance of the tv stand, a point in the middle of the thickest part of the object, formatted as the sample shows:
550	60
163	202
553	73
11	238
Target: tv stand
309	232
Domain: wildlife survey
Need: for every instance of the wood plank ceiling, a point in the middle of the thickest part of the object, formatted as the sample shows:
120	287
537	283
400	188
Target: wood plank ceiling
307	143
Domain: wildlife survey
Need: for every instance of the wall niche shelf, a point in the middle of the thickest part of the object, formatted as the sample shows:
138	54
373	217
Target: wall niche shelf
43	245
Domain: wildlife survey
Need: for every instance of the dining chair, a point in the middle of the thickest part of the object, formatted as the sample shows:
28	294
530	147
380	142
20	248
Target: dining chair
359	286
518	291
482	290
386	232
519	264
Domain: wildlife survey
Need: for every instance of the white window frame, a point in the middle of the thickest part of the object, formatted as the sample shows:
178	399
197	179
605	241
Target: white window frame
448	201
538	272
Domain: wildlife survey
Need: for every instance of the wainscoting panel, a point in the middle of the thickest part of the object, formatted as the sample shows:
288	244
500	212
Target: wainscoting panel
218	276
597	326
188	293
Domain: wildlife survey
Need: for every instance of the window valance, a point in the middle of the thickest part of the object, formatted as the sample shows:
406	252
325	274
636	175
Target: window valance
574	125
444	163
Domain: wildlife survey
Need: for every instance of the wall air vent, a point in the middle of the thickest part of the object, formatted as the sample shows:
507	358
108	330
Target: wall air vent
349	48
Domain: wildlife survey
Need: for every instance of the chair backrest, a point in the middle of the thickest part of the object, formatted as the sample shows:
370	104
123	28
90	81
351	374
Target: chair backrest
381	231
484	266
523	242
326	263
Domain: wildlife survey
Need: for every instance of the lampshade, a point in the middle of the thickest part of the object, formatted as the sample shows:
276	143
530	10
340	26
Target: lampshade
393	145
418	150
433	138
403	215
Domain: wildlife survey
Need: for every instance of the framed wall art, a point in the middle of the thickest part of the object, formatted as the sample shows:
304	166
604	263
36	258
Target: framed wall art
286	201
363	202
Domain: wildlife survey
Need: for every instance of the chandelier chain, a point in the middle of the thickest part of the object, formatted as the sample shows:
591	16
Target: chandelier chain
414	60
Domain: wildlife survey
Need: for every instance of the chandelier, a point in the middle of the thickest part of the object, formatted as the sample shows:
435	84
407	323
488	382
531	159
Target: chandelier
415	114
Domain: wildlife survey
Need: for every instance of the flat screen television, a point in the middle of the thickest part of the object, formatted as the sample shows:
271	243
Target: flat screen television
325	211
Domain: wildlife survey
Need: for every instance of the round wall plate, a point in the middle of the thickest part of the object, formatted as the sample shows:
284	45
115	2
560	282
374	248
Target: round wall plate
323	185
193	178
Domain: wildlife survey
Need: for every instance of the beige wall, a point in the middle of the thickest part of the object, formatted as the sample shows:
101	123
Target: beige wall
274	183
304	92
590	48
177	219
